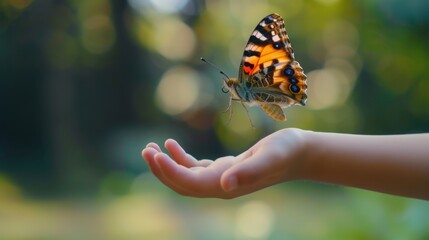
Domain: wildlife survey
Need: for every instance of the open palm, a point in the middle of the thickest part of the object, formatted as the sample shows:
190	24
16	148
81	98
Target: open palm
269	161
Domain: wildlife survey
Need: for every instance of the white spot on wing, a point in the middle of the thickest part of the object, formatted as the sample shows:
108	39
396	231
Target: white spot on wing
276	38
259	35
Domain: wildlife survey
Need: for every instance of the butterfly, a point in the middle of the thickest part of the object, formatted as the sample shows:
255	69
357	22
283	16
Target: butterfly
269	76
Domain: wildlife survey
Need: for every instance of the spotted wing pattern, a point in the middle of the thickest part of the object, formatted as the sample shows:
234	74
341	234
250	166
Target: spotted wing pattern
268	69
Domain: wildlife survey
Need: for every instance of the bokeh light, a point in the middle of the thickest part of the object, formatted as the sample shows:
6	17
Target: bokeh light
341	39
254	220
123	219
328	88
181	89
174	39
162	6
169	36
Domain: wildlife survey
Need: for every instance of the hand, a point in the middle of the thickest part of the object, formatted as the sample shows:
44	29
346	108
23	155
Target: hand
274	159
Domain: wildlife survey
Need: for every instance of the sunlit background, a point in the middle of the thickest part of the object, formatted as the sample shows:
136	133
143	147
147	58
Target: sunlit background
84	85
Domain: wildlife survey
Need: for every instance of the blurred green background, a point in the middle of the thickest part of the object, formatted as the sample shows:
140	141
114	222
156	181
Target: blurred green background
84	85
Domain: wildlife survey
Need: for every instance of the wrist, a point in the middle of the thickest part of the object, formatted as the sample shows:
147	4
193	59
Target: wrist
297	141
305	156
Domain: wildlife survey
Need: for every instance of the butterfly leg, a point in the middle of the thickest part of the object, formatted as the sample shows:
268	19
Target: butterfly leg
229	109
248	115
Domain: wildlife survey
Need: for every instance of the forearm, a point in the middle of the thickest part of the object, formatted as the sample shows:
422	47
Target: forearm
397	164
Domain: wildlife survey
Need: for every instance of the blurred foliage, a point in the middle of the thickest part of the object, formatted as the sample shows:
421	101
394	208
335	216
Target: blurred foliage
84	85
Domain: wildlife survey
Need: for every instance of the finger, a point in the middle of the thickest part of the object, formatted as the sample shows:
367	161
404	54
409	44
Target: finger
205	163
174	171
198	183
244	155
148	155
170	172
148	152
179	155
154	146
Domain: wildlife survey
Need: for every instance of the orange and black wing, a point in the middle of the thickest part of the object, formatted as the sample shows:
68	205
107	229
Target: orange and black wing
269	67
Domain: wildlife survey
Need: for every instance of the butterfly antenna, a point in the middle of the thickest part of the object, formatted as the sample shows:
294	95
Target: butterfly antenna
216	67
230	100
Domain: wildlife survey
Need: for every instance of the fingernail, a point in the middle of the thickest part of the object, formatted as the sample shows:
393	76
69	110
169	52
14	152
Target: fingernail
232	184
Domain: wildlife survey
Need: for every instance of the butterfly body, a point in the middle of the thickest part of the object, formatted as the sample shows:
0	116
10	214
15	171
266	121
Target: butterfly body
269	76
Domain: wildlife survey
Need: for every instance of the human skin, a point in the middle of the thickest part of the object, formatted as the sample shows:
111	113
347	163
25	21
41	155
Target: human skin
393	164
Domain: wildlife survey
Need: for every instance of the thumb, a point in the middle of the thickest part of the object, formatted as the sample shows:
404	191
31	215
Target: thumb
246	172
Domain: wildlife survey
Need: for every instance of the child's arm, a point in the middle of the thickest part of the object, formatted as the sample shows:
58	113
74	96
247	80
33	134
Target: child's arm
396	164
390	164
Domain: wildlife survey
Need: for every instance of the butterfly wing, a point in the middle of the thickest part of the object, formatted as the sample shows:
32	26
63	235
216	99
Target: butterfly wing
268	66
273	110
